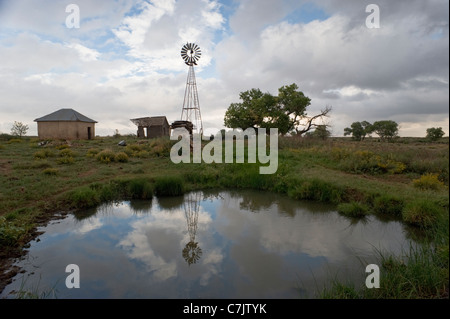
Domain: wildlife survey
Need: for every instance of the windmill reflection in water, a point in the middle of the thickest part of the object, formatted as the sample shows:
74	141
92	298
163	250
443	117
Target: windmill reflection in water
192	252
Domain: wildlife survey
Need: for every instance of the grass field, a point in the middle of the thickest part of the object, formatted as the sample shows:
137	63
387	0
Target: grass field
405	180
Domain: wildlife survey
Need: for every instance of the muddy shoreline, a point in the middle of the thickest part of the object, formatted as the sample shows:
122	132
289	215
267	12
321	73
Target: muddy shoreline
9	256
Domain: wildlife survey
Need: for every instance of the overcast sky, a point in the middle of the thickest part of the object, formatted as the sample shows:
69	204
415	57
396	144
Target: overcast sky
124	60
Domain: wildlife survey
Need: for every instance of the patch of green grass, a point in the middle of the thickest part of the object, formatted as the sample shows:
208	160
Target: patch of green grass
388	205
121	157
169	186
353	209
106	156
51	171
45	153
83	197
422	213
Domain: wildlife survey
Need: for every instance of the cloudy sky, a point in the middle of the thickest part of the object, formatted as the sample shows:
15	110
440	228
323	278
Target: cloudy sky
124	59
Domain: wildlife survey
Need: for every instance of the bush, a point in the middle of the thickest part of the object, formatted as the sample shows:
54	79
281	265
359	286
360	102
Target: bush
65	160
428	181
67	152
169	186
92	152
422	213
43	154
106	156
353	209
121	157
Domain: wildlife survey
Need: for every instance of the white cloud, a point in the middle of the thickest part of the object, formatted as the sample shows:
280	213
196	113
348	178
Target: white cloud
126	56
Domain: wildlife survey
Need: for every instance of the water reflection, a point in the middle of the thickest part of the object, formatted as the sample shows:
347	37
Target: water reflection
244	244
192	251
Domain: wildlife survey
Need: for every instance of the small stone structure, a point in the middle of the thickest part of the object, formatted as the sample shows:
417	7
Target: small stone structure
151	127
65	124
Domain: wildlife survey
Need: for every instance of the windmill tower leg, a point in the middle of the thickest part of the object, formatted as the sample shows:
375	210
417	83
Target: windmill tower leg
191	104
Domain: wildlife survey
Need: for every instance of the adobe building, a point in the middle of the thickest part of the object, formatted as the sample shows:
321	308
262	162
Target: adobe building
151	127
66	124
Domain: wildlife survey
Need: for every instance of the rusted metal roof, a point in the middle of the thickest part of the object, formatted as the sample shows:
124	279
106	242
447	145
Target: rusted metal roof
150	121
65	115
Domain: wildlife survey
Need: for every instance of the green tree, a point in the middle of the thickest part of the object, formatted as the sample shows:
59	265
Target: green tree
385	129
321	132
358	130
435	133
287	111
19	129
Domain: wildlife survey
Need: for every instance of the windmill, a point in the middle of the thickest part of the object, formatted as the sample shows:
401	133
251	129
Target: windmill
190	113
192	251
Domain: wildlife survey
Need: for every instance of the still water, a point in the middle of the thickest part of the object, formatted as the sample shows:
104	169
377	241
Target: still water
245	244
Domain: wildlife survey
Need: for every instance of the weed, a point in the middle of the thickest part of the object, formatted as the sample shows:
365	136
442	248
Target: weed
121	157
428	181
106	156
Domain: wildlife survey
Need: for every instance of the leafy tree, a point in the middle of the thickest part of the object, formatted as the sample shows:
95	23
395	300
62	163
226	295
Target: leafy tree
358	130
19	129
287	111
322	132
385	129
435	133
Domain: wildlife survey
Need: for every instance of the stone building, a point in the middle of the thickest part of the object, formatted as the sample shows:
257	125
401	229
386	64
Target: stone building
151	127
65	124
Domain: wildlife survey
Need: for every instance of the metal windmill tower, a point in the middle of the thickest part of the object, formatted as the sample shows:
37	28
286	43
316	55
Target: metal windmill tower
192	252
191	107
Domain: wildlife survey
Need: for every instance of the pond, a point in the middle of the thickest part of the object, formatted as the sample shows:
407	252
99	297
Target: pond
216	244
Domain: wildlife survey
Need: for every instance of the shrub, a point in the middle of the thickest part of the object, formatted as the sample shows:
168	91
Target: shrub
428	181
133	149
106	156
92	152
169	186
422	212
65	160
121	157
353	209
67	152
43	154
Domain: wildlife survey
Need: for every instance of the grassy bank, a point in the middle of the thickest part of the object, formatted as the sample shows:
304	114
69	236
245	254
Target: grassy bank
406	180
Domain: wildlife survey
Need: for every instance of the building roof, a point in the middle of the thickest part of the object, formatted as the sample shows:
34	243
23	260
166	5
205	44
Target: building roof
65	115
150	121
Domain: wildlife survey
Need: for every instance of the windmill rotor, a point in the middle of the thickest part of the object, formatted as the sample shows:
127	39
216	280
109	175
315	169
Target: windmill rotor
190	52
